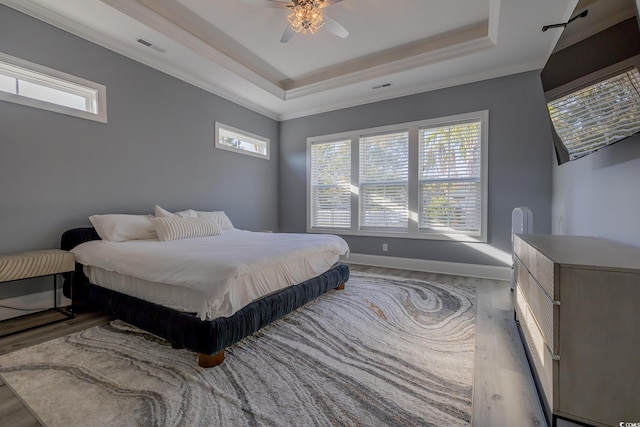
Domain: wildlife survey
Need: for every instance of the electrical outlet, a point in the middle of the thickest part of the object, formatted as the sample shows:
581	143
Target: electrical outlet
385	247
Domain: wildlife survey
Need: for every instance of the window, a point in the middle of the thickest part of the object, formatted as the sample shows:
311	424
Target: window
33	85
597	114
450	178
330	197
384	181
423	180
232	139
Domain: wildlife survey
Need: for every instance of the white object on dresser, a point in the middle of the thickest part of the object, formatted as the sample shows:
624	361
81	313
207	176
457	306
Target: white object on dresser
577	304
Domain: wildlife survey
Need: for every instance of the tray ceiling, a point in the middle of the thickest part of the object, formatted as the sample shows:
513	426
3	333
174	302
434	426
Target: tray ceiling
395	48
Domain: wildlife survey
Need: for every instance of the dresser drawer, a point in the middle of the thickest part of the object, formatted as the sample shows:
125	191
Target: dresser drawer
540	355
540	304
540	267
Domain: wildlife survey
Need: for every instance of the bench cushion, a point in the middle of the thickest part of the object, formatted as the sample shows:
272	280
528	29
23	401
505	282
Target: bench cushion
24	265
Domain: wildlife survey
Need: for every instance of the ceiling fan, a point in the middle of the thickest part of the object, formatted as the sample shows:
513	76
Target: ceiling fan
306	16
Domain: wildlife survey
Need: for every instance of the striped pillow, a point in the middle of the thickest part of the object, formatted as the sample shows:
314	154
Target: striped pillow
174	228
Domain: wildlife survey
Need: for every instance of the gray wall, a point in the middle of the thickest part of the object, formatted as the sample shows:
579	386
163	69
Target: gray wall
157	148
597	195
519	160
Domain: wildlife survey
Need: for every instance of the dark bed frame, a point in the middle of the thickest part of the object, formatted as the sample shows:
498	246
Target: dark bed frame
185	330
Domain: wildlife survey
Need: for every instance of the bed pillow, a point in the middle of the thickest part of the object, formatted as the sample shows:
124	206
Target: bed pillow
123	227
189	213
175	228
219	216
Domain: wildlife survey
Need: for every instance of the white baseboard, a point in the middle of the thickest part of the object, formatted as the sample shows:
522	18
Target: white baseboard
441	267
34	302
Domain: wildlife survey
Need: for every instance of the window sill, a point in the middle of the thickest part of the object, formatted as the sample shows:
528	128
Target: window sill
452	237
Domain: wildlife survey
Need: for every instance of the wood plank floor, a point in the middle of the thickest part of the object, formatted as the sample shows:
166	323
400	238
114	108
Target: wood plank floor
503	391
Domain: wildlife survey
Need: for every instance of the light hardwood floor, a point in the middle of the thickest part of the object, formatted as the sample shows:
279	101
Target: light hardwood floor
503	391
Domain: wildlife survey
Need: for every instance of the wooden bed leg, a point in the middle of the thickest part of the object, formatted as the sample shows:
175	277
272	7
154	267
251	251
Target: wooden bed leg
340	287
209	361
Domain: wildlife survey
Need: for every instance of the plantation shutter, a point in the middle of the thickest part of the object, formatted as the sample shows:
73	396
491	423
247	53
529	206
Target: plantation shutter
598	115
449	168
384	181
331	184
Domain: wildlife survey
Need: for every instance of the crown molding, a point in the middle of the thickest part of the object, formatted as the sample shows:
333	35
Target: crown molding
464	41
472	40
414	90
156	22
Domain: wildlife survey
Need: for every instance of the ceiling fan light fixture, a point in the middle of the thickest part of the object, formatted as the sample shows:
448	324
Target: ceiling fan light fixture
306	16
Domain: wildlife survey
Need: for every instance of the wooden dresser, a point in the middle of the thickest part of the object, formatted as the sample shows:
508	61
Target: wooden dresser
577	302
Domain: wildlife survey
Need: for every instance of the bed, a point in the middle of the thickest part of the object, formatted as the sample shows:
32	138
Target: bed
153	284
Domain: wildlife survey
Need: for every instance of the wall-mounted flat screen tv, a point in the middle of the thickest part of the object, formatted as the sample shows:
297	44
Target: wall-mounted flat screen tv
596	115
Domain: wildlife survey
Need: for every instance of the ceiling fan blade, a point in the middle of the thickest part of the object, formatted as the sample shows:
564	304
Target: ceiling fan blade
328	3
288	34
277	4
335	27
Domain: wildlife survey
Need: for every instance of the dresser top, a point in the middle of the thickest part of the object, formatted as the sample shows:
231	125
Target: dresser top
586	251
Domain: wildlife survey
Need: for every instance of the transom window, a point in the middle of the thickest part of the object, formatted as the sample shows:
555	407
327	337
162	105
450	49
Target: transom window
422	179
23	82
232	139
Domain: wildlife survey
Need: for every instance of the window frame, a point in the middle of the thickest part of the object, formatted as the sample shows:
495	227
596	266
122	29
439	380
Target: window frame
242	134
95	94
413	231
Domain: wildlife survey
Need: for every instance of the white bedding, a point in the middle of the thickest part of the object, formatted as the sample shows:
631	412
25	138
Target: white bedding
224	273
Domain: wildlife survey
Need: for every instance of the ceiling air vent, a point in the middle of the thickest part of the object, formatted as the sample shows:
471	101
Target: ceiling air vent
151	45
383	85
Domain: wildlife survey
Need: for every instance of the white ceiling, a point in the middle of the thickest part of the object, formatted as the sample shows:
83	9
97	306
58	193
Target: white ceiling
233	49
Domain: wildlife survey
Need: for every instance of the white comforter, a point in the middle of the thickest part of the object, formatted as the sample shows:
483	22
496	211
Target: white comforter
219	267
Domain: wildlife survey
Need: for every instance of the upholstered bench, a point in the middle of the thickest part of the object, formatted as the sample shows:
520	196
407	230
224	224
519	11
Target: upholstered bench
32	264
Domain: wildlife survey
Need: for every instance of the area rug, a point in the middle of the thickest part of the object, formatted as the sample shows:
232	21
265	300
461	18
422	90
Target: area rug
386	351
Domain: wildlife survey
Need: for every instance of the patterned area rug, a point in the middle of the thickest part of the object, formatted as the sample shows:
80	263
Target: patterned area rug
385	351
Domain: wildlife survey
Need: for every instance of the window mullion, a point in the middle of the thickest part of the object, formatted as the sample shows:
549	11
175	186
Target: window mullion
355	183
414	186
